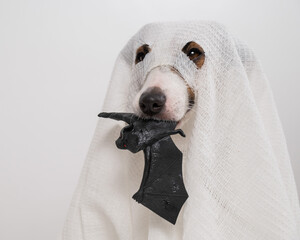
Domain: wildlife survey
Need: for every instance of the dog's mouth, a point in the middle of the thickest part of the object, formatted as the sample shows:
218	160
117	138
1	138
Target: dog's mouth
165	95
170	115
162	117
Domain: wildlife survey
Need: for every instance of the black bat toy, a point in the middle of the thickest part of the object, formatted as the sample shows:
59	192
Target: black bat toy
162	189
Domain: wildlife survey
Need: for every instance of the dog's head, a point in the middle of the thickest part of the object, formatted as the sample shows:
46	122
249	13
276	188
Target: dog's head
165	93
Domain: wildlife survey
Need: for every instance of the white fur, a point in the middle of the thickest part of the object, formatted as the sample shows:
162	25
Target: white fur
175	89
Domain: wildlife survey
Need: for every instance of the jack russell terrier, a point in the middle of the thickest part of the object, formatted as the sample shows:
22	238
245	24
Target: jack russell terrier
158	97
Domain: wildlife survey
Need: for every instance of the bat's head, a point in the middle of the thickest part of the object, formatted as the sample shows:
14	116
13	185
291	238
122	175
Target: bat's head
129	139
139	133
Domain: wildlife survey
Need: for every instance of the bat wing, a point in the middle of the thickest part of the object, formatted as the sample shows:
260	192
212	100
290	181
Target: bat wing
126	117
164	192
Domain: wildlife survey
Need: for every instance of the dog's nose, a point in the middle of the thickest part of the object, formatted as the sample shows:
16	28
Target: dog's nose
152	101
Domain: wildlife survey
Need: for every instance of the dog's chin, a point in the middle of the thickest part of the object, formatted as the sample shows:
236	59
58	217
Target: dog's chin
158	117
167	117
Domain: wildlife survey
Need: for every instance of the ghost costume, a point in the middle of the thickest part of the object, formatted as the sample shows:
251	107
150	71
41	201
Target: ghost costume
236	166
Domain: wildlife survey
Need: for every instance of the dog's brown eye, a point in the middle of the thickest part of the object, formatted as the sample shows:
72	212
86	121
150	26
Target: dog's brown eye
195	53
141	53
140	57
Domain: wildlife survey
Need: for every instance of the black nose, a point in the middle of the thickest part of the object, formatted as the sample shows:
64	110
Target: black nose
152	101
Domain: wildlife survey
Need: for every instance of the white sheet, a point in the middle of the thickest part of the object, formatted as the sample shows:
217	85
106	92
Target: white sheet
236	165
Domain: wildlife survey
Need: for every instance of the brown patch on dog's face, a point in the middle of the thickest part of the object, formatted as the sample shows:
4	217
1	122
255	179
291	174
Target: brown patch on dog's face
190	91
141	53
195	52
191	95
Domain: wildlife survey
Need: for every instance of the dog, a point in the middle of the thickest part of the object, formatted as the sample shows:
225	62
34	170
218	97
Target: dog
158	97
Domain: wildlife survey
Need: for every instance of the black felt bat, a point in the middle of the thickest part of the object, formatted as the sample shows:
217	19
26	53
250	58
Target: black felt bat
162	189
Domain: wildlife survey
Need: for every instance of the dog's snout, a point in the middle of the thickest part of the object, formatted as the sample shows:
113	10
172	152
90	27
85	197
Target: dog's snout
152	101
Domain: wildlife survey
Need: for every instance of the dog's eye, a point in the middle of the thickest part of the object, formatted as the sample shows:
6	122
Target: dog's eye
140	57
194	53
141	53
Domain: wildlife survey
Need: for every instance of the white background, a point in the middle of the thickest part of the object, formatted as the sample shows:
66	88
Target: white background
56	58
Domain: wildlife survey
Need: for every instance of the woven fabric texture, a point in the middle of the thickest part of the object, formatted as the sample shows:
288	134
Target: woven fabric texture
236	165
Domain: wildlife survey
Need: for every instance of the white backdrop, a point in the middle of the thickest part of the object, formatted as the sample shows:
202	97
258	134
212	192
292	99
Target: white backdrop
56	58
